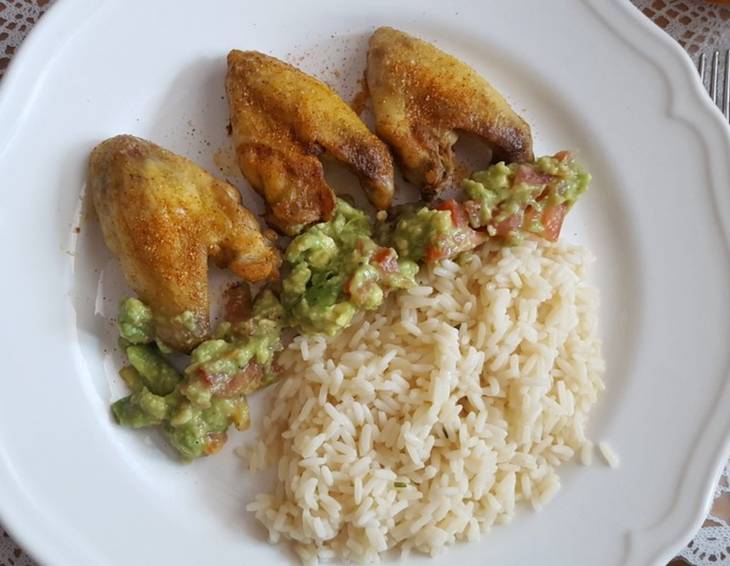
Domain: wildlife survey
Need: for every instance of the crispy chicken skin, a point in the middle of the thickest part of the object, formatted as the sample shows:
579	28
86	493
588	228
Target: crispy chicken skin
421	96
163	216
282	119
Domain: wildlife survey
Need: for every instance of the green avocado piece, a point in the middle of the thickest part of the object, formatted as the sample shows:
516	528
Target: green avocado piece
156	374
141	409
135	322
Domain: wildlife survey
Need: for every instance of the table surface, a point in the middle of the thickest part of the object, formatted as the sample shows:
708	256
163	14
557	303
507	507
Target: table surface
696	24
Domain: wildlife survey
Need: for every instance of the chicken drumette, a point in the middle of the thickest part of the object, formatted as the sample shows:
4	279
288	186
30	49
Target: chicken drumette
422	96
163	216
282	119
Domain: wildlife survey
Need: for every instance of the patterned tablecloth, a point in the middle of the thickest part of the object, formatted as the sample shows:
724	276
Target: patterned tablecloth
696	24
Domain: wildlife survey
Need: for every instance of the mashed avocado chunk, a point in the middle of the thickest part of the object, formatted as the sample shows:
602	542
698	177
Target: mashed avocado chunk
154	372
196	409
196	432
140	409
135	322
337	269
509	200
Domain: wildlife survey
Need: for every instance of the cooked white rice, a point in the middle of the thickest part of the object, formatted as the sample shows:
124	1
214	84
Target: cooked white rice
608	453
427	422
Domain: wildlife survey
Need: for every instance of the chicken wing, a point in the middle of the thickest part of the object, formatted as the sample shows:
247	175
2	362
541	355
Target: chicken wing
163	216
282	119
421	96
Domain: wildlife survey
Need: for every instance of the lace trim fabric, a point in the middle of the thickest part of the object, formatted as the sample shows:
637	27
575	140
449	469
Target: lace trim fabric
16	19
711	545
696	24
10	554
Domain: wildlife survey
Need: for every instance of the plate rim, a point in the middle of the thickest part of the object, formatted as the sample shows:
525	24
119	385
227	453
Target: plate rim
680	109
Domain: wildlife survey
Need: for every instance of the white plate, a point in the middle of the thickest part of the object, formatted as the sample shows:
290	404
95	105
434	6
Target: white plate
596	76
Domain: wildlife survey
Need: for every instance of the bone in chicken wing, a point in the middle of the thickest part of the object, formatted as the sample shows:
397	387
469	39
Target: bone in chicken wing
163	216
421	96
282	119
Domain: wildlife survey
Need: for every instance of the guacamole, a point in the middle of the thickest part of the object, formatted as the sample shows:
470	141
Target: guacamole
509	200
431	234
337	269
196	408
238	361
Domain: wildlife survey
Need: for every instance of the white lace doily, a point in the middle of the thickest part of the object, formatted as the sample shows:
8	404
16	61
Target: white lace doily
16	19
696	24
711	545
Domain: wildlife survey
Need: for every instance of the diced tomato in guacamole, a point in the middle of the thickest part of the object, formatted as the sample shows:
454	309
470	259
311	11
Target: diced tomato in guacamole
508	201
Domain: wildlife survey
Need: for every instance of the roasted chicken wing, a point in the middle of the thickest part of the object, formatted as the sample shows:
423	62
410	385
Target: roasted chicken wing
422	96
282	119
163	216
